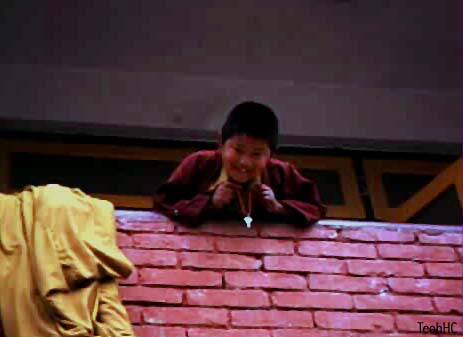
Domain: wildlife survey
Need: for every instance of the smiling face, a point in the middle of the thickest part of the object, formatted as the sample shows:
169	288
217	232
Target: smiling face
244	157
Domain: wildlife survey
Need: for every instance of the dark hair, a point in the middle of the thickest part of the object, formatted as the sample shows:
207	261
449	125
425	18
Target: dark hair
252	119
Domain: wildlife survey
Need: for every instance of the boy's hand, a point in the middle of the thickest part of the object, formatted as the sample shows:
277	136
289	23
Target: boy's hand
267	198
224	194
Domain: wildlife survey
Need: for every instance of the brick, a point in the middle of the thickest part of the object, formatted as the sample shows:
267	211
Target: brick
257	246
285	231
174	277
264	280
304	264
223	229
132	279
396	334
271	318
139	216
347	283
158	331
413	252
459	252
337	333
134	313
228	333
167	241
156	295
341	249
144	226
395	236
426	286
386	301
449	305
380	235
410	322
140	257
363	234
444	269
385	268
124	240
219	261
313	333
312	300
191	316
442	239
354	321
228	298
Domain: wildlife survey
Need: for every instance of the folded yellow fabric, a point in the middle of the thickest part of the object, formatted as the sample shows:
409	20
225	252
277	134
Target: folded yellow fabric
59	265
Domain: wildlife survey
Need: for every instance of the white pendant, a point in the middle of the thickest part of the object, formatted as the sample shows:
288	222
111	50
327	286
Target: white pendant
248	220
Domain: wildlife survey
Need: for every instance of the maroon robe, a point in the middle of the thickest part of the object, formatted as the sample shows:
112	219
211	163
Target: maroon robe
186	195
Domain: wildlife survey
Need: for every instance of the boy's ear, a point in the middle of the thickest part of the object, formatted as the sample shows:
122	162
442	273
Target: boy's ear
272	152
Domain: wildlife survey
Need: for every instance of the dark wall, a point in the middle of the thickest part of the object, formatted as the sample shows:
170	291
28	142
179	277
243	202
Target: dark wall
358	69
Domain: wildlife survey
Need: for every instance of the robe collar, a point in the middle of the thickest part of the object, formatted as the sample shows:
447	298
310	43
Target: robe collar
223	177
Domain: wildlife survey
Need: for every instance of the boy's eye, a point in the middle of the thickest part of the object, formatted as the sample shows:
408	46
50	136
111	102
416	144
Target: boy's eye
239	150
256	154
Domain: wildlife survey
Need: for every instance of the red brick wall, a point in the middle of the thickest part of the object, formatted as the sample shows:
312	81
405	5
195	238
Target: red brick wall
335	279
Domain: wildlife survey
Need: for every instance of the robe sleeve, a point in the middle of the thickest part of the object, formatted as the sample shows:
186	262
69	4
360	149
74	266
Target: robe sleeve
2	334
73	248
113	320
301	198
185	197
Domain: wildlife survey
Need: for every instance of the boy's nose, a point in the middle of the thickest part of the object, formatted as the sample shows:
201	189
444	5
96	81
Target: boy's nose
245	162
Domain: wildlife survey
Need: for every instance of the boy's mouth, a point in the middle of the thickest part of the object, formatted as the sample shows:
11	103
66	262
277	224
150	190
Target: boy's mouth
242	172
241	169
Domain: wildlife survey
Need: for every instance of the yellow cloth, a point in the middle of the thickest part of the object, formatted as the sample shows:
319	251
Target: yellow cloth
59	262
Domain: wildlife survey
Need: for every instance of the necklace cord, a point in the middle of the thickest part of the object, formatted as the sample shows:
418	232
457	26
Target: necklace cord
245	212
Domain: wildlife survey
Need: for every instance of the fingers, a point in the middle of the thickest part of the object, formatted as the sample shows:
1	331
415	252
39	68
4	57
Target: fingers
259	187
267	194
232	185
224	194
265	191
265	187
227	190
227	187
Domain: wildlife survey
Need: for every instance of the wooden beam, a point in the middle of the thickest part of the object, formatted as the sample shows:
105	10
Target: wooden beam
427	194
127	201
344	167
374	171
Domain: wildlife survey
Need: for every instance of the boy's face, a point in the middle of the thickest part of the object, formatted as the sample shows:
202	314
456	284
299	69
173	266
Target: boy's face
244	157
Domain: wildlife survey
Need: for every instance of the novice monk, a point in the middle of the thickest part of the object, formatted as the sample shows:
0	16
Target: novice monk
240	180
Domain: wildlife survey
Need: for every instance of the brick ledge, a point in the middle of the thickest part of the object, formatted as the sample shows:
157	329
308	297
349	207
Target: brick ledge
150	216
